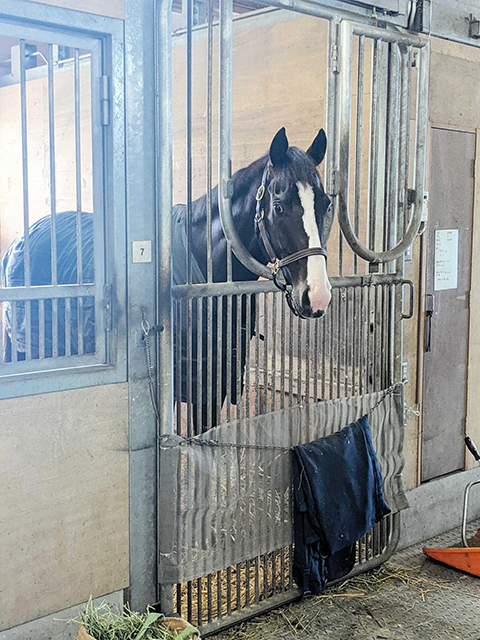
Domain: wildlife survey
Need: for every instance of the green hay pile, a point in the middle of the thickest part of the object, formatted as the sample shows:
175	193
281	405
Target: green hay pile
102	623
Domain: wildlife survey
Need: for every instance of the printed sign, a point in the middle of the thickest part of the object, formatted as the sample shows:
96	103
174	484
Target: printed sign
446	259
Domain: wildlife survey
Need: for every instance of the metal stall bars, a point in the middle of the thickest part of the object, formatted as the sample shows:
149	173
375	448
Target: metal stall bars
216	504
54	299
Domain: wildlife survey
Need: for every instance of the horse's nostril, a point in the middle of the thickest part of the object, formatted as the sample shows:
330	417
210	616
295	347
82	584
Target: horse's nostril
306	298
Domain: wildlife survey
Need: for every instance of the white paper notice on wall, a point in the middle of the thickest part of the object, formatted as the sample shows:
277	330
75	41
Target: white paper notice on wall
446	259
141	251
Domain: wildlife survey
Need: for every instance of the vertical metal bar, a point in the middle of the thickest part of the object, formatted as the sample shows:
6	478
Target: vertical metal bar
163	157
273	401
51	136
290	359
376	321
189	380
340	343
219	347
23	109
257	355
248	331
354	341
28	330
266	344
326	324
177	314
307	378
189	601
68	326
189	8
404	136
358	142
368	359
200	384
374	134
41	329
315	360
209	598
209	138
229	356
219	594
330	116
78	168
14	332
79	325
238	347
299	368
199	601
392	138
55	327
348	343
380	167
282	355
363	320
333	330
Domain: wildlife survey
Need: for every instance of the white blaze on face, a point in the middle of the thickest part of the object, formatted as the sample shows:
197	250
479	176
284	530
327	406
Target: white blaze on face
317	279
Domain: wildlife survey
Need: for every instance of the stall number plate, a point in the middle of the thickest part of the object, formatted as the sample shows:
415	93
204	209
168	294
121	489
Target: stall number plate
142	251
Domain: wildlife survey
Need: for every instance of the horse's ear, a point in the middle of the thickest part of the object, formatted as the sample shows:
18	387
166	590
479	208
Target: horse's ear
318	148
278	148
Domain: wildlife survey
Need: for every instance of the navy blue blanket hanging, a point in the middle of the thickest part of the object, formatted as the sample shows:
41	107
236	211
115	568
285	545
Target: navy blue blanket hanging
338	498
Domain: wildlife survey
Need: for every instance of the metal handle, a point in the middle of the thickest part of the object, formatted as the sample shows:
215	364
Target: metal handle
465	511
472	448
407	316
429	310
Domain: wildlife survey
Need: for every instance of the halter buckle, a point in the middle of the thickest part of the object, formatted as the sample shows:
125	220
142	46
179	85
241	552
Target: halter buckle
260	215
276	267
260	193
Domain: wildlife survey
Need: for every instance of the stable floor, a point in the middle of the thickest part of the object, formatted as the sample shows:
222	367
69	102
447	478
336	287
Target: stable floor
409	597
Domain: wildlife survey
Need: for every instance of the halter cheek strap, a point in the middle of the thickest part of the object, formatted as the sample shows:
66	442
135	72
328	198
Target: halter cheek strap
277	263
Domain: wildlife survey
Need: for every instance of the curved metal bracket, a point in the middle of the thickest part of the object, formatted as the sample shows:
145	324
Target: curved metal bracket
347	30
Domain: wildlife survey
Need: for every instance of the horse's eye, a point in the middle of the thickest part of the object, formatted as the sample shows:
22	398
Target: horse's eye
277	208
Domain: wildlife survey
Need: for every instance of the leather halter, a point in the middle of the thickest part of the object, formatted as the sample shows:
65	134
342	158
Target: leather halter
277	263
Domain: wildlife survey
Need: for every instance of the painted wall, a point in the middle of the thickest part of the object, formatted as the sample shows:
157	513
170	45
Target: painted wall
63	500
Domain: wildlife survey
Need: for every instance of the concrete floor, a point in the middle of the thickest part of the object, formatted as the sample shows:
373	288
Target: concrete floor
410	597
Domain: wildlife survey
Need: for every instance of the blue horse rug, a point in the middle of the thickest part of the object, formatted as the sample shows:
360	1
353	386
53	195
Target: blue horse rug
338	498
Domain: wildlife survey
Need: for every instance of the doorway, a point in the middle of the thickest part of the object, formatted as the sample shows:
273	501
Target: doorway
448	238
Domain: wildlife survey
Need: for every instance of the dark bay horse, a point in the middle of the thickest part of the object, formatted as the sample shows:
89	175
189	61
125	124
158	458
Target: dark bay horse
279	208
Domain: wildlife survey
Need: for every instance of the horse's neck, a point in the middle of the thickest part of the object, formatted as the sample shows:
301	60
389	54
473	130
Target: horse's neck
245	182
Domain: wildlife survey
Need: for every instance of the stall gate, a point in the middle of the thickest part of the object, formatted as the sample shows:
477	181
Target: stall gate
225	533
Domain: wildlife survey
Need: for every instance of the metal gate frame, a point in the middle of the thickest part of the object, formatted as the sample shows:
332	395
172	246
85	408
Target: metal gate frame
342	27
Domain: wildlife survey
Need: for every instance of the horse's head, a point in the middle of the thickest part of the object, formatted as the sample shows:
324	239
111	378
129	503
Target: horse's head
295	206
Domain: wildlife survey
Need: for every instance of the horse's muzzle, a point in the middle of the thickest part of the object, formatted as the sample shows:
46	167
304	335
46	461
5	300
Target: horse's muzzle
312	306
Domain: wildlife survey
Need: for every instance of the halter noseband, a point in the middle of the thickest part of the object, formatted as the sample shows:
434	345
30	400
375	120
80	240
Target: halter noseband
277	263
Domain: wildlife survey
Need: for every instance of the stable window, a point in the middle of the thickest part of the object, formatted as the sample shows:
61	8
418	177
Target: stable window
57	220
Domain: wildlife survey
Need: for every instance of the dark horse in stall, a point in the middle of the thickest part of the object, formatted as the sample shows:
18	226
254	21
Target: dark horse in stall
279	208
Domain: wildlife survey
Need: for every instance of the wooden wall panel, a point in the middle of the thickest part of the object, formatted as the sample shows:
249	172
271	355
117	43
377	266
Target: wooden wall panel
279	80
63	500
109	8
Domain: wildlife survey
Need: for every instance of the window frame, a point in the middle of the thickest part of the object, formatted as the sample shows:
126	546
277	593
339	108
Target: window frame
106	34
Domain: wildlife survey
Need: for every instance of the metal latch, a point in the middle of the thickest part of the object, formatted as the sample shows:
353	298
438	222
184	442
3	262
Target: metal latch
107	306
105	99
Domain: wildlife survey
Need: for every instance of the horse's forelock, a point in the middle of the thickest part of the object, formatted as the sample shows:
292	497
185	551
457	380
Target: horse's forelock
299	167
